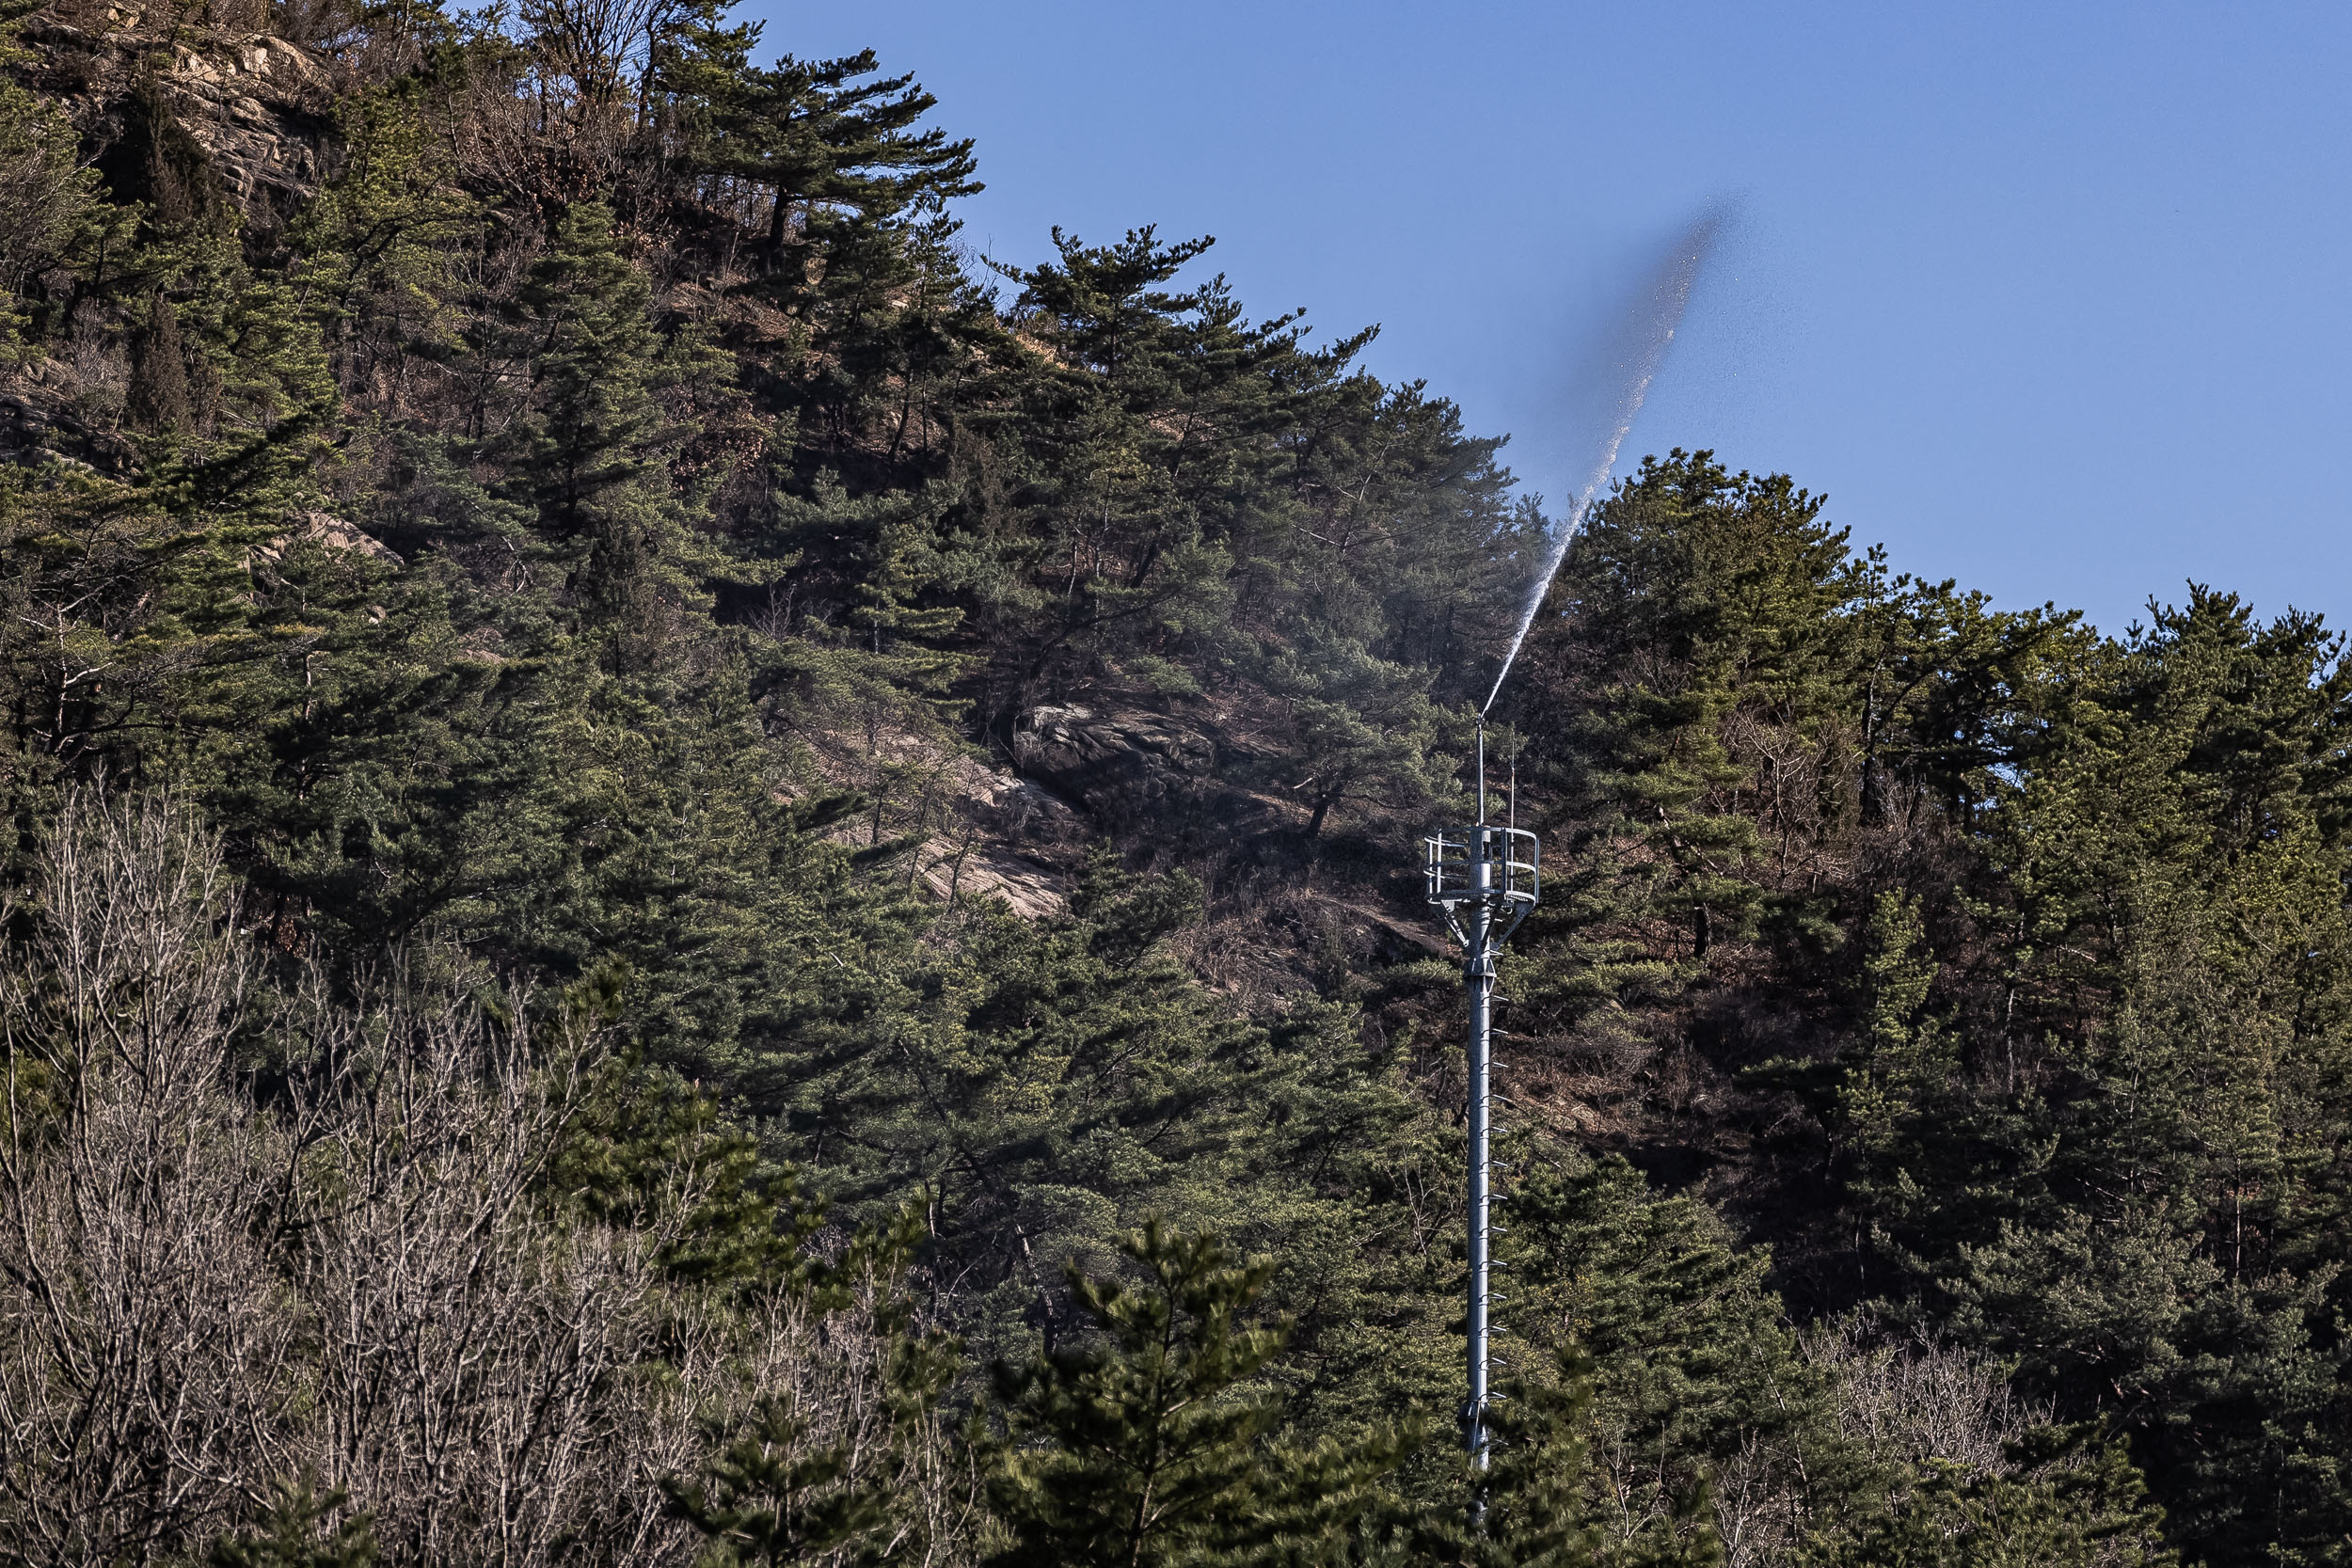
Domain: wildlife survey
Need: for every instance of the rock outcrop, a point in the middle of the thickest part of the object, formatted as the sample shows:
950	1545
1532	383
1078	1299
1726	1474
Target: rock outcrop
180	118
261	109
1120	766
39	423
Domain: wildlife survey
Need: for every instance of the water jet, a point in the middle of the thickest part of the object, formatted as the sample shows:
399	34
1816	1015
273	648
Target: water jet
1654	313
1485	879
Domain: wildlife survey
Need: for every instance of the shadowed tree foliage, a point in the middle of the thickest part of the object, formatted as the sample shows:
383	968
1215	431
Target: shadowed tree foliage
1151	1445
299	1530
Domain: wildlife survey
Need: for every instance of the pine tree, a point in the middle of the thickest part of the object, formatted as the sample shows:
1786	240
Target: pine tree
1705	595
855	241
1153	408
892	661
589	459
157	400
1540	1504
1878	1096
840	157
300	1531
1690	1361
2122	1201
1366	730
48	209
1150	1447
2074	1503
781	1492
376	247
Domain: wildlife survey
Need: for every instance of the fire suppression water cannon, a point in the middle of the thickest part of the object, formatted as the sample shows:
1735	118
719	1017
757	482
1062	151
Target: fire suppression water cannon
1485	879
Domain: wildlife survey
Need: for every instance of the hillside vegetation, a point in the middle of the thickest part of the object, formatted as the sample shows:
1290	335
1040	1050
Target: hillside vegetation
693	877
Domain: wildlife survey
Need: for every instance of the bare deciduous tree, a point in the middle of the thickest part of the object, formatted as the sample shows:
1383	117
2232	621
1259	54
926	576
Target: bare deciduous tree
1906	1401
141	1340
363	1274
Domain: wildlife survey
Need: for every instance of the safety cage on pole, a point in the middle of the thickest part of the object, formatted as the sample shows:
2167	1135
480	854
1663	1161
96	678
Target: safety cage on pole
1498	869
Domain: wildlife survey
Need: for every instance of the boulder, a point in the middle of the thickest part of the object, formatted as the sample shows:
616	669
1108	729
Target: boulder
1030	888
325	529
40	425
1120	766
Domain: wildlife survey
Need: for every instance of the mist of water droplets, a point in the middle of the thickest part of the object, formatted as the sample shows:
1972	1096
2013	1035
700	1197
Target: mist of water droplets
1657	311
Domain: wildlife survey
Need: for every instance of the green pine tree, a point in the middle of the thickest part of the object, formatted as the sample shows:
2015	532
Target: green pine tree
2074	1501
1151	1444
782	1493
589	457
299	1529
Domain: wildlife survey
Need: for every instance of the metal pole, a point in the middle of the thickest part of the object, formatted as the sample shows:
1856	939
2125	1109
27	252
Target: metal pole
1479	974
1484	894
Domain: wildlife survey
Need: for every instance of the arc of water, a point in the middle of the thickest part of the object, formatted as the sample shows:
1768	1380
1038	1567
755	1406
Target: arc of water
1661	307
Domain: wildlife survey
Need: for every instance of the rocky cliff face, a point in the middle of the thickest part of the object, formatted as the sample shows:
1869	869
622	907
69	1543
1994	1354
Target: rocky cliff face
1123	764
261	109
180	117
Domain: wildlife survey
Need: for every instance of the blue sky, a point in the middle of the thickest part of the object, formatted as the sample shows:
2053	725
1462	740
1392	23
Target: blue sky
2055	299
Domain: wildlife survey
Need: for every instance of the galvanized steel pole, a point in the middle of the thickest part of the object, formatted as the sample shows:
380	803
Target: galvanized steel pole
1485	879
1478	972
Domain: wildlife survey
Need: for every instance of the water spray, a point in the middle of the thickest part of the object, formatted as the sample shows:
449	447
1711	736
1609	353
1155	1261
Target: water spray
1485	879
1657	312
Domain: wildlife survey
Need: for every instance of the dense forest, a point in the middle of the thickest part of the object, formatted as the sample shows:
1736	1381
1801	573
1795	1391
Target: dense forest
694	878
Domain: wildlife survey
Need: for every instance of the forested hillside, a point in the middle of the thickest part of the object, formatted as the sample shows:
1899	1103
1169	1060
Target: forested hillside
695	877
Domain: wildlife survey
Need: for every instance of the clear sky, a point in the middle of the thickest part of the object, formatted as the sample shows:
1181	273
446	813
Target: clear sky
2054	298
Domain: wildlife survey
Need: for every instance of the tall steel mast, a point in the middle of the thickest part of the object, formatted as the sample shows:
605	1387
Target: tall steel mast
1485	879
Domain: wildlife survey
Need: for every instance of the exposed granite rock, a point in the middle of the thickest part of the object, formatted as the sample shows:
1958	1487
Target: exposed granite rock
1119	764
37	425
1016	842
1001	802
262	109
975	870
325	529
